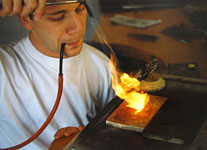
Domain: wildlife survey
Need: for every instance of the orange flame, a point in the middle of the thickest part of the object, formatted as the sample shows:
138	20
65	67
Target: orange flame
127	88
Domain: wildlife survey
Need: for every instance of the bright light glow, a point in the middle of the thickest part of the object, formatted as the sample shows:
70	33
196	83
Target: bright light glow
127	88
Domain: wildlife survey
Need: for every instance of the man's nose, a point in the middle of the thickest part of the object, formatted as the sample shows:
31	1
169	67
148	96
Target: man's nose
74	24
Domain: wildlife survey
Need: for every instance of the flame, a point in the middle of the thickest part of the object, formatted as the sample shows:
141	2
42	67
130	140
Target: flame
127	88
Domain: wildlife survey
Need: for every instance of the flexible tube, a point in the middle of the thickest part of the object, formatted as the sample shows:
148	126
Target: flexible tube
60	89
52	113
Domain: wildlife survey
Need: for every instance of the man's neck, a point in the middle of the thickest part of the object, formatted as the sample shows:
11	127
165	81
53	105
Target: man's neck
39	46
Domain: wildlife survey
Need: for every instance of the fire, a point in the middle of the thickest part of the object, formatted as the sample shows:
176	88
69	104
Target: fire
127	88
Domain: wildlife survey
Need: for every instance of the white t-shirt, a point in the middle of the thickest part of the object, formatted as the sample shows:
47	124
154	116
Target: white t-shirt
28	90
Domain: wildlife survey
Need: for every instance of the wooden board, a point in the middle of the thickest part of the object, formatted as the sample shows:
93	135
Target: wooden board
127	118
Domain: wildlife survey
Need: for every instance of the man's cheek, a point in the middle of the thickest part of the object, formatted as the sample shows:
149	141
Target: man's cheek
52	45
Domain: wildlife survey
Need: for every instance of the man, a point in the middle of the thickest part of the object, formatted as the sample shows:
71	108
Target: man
29	68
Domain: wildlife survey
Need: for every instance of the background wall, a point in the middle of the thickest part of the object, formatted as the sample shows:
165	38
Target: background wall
11	29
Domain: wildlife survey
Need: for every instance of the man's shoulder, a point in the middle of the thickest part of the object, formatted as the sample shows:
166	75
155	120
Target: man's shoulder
8	53
3	46
97	61
95	53
7	48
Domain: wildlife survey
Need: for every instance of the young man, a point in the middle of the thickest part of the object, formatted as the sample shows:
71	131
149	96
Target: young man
29	74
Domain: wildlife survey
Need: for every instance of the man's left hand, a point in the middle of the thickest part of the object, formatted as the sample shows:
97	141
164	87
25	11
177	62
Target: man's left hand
68	131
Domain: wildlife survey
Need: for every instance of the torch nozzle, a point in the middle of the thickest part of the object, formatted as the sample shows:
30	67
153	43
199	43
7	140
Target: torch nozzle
61	58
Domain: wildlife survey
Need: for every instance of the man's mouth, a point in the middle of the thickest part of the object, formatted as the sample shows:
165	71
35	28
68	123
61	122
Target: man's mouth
73	43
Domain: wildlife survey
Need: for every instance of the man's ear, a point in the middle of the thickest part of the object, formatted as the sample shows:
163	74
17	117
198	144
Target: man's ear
27	22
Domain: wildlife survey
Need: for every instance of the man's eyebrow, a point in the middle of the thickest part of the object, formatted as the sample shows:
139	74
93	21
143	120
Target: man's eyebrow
62	11
58	12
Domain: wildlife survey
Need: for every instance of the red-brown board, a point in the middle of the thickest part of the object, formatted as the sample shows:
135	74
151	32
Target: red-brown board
127	118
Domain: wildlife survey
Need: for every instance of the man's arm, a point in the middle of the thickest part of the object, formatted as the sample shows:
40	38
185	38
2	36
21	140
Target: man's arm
23	8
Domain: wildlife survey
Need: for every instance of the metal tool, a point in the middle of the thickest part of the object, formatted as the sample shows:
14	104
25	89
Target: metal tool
144	37
150	6
148	69
57	2
66	2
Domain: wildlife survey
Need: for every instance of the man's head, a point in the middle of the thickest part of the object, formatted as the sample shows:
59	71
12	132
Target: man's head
60	24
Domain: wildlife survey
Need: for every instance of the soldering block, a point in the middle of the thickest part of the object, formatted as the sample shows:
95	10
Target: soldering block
127	118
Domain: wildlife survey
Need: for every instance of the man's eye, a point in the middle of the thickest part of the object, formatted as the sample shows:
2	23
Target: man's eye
80	9
57	18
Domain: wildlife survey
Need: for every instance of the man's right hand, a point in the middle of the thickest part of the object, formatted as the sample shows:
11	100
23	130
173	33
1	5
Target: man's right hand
23	8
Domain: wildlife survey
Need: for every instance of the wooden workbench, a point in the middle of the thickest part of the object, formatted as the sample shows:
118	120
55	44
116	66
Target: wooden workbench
97	135
166	49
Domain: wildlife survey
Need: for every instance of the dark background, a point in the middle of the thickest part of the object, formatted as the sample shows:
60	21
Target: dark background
114	5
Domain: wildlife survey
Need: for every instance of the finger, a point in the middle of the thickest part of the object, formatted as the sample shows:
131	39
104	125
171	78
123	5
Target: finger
29	7
6	8
59	133
39	12
70	131
17	7
80	128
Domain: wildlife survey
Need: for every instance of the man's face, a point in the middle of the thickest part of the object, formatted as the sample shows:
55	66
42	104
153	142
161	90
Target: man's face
60	24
